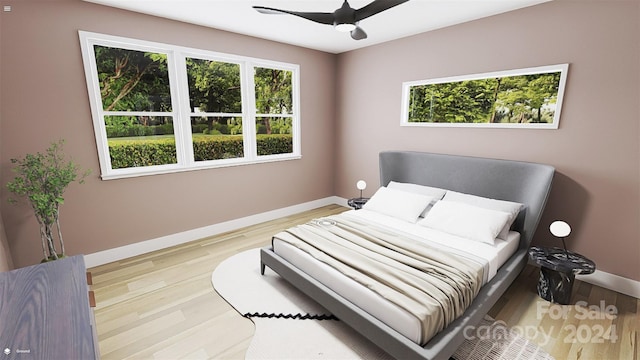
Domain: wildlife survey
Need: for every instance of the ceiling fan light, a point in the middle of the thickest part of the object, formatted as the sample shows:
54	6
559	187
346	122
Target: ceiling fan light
345	27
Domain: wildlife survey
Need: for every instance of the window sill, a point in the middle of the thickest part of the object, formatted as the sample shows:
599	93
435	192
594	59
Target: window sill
170	169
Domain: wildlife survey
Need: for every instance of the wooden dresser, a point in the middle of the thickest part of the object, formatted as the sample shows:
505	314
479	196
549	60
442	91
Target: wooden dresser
45	312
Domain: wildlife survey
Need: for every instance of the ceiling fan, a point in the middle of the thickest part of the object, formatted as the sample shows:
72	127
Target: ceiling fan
343	19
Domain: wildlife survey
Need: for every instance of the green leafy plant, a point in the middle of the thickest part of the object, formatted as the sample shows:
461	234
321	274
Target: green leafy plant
42	178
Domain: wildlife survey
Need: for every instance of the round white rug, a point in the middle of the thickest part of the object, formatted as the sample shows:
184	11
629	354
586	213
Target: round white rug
239	282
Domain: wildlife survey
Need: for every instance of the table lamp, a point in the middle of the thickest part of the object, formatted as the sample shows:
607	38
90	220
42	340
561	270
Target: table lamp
561	230
361	185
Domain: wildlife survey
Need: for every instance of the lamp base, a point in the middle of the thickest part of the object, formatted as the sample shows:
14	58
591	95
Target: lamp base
357	203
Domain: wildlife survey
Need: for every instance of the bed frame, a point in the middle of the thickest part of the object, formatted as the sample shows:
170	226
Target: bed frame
526	183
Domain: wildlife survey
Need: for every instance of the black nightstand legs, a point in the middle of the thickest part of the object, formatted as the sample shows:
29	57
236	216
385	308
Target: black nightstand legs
555	286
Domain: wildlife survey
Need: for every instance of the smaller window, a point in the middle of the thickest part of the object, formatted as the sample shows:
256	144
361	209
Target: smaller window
274	111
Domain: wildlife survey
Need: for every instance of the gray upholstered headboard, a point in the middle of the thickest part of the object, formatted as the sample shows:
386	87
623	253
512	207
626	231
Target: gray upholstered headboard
523	182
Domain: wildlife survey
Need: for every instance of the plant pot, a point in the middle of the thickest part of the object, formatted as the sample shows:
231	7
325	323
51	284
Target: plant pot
51	258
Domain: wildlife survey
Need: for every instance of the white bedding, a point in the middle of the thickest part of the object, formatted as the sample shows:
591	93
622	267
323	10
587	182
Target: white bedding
495	255
395	317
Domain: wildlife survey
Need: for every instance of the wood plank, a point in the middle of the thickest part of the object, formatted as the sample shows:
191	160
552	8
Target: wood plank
44	311
162	304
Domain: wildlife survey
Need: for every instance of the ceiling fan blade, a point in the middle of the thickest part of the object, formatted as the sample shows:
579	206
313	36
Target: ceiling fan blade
375	7
266	10
358	33
319	17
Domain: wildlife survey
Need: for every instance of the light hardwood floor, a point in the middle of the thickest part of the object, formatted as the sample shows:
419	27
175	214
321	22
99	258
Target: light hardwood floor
162	306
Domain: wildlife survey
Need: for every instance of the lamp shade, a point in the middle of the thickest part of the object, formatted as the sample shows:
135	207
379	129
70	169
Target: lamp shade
560	229
361	185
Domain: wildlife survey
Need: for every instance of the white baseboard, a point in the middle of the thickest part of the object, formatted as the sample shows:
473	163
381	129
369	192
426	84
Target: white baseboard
613	282
143	247
600	278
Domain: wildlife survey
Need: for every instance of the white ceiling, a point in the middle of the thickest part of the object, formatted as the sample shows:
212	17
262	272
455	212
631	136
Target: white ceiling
412	17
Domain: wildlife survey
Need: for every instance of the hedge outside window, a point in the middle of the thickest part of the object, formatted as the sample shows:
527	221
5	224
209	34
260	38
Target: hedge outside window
161	108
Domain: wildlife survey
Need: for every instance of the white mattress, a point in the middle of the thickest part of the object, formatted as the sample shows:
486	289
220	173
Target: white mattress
390	314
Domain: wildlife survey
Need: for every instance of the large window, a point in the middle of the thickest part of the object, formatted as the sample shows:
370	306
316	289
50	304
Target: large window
161	108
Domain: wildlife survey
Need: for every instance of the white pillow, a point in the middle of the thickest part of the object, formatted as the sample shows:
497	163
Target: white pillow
397	203
434	192
512	208
468	221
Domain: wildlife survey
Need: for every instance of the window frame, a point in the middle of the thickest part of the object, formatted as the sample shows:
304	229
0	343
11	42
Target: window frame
562	69
180	106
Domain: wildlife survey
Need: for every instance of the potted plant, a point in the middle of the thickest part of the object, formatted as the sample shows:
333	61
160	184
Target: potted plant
42	178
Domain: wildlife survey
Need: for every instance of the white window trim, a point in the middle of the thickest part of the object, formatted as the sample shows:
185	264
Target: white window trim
562	68
181	111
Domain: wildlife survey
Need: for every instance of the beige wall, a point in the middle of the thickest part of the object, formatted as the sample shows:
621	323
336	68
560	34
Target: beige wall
595	150
6	262
44	97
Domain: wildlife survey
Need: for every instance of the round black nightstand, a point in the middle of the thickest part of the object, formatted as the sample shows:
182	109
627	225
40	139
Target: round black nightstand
558	270
357	203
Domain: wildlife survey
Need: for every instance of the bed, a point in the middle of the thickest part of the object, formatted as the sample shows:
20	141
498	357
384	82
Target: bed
388	325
